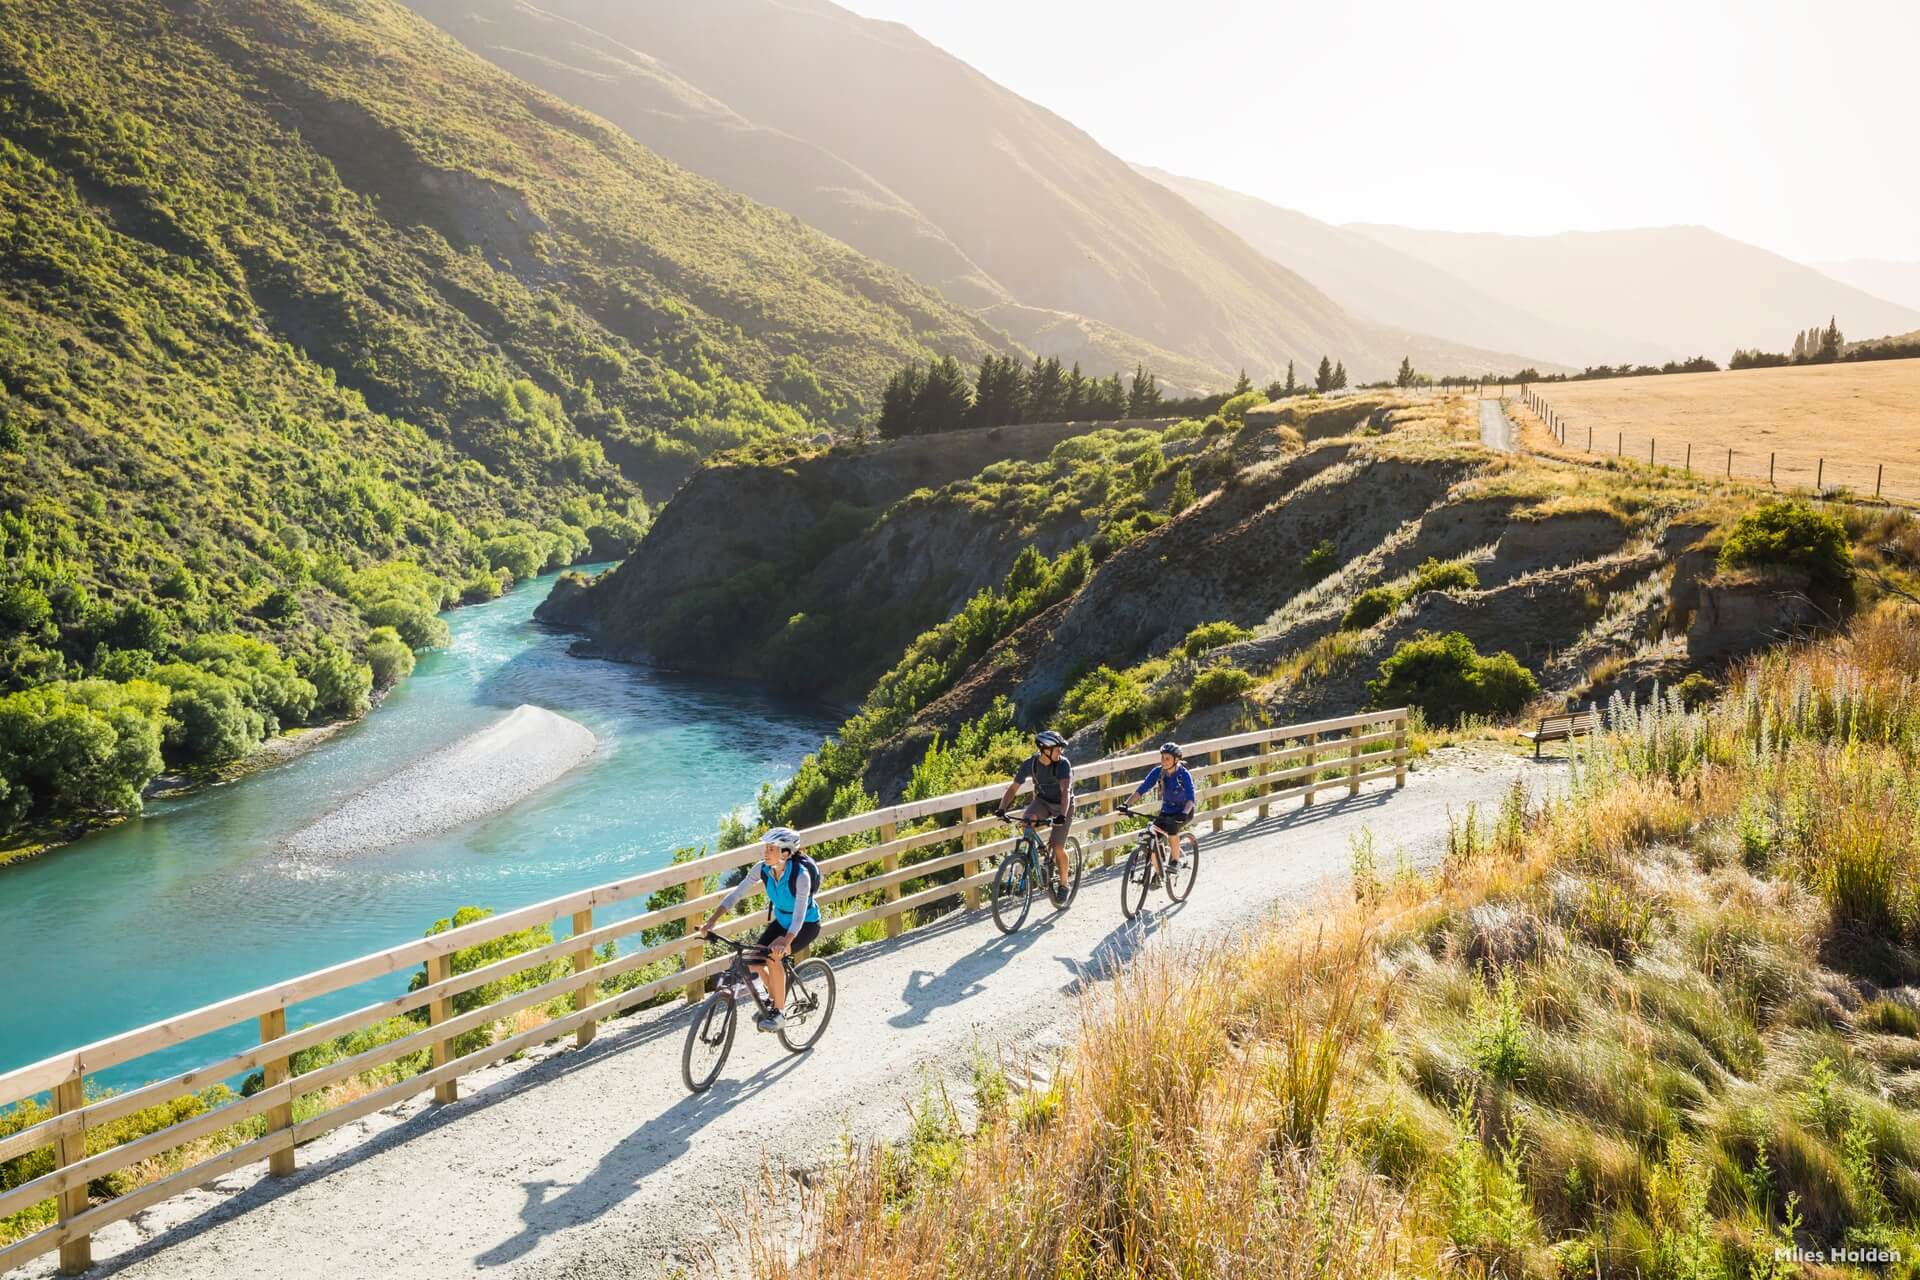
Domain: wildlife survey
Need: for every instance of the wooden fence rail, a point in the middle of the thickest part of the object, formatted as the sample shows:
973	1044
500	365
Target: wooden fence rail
1243	771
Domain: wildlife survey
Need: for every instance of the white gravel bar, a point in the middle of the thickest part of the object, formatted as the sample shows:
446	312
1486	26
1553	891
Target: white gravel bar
483	773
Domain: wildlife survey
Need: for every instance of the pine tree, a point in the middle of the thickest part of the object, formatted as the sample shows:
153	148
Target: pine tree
1274	390
943	401
1074	405
1109	397
1830	340
1291	388
899	401
1144	395
1183	494
1799	347
1323	380
1046	390
1241	387
1405	377
1340	376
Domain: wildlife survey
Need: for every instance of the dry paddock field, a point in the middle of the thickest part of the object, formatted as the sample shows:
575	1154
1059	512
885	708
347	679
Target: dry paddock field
1837	423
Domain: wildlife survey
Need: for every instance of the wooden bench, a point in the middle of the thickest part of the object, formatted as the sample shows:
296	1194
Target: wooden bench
1561	727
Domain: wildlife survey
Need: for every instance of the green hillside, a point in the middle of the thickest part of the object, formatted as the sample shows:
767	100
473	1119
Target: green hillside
310	322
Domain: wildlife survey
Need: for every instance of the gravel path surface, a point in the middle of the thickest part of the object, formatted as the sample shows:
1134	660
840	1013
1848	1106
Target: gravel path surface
482	773
598	1163
1496	429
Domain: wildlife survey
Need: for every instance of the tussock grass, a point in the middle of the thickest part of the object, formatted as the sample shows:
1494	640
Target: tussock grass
1638	1029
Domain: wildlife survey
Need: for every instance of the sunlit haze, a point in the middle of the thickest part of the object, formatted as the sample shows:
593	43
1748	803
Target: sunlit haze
1784	124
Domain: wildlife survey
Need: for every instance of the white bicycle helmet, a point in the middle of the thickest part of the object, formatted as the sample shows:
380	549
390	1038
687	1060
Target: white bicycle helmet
785	837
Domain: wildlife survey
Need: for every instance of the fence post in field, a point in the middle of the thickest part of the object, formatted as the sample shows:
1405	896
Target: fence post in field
1689	463
1218	779
583	961
273	1025
1729	464
439	969
1770	458
1650	443
1879	472
1104	781
1353	760
1589	437
696	948
1820	476
970	868
890	863
1400	751
76	1255
1620	445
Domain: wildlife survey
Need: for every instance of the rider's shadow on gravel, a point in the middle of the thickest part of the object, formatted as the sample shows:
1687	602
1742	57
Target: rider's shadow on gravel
927	990
641	1154
1119	946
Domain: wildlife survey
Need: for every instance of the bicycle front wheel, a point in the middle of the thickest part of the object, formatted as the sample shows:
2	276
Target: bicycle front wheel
1181	876
709	1040
1012	891
809	1004
1134	880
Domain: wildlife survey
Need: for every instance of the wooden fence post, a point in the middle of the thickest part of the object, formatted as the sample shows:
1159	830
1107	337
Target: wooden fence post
439	969
1265	766
1820	476
696	949
76	1255
273	1025
1729	464
1650	444
1620	445
970	868
889	863
1689	463
1353	761
1879	473
1400	751
583	961
1106	806
1312	743
1770	458
1214	758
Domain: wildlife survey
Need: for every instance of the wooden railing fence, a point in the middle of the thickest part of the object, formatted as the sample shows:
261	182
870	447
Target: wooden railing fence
1252	770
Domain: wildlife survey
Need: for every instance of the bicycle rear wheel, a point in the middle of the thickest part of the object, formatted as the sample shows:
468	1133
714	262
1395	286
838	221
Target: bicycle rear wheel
810	992
1012	890
1180	878
1133	881
1076	866
709	1040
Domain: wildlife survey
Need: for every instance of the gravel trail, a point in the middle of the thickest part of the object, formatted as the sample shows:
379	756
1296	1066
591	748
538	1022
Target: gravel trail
1496	429
598	1163
480	774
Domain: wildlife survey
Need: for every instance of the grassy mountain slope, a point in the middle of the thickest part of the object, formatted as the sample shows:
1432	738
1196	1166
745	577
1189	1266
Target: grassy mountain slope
1686	290
1058	223
311	322
1374	280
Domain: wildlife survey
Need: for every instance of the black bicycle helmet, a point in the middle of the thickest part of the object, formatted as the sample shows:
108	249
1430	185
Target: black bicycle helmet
1172	749
1048	738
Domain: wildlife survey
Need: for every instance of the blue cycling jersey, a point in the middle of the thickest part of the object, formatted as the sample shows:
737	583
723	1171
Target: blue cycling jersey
1176	789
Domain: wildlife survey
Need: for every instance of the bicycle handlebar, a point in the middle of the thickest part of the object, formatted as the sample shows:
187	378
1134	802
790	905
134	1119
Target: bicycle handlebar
742	947
1021	819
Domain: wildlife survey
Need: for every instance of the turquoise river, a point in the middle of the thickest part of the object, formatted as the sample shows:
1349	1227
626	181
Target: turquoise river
194	902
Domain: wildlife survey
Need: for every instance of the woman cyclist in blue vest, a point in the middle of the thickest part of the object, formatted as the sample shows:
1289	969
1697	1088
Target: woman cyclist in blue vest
792	882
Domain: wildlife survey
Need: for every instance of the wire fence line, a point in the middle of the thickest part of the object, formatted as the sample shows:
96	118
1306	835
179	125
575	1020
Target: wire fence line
1812	471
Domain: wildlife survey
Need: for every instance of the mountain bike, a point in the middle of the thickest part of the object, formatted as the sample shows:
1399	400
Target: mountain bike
809	1006
1152	865
1027	865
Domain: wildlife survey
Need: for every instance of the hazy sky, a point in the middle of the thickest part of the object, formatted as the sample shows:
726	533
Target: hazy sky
1790	125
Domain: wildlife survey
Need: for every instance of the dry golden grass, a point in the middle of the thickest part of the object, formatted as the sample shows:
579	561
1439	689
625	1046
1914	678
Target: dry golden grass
1855	416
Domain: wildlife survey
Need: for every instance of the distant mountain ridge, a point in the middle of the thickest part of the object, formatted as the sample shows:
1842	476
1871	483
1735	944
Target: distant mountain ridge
1897	282
883	140
1683	290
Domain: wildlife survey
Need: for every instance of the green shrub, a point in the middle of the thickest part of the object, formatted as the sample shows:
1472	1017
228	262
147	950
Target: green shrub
1211	635
1320	561
1369	607
1235	410
88	747
342	687
1696	691
1442	575
210	722
1183	495
1792	535
1218	685
1447	679
388	657
482	954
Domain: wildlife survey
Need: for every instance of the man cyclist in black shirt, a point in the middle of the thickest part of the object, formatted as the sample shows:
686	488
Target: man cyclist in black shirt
1052	776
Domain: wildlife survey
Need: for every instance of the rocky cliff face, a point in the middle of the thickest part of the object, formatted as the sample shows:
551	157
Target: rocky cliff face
750	558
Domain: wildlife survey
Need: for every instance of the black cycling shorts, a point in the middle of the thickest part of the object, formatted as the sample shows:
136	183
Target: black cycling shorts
808	932
1171	822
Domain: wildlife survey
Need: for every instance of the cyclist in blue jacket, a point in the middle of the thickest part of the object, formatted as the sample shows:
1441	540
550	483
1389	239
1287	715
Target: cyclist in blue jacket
791	880
1177	796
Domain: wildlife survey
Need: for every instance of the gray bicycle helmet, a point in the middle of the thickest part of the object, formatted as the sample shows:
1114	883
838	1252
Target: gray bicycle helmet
786	837
1172	749
1048	738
